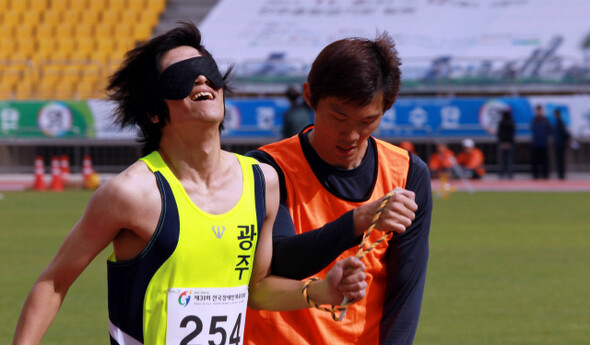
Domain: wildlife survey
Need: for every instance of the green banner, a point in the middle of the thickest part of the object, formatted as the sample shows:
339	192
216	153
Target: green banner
46	119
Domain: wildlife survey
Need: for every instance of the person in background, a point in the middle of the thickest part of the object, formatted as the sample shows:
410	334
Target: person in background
505	136
297	116
407	145
540	131
188	222
561	140
441	161
471	160
334	177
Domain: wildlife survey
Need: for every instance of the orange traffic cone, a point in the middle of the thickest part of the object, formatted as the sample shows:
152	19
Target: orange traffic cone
90	178
56	181
65	169
39	183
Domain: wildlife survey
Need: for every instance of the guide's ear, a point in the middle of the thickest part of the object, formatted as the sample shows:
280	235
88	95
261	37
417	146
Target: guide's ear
307	94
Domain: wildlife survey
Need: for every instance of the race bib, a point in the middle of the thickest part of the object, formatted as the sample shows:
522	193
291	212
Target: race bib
208	316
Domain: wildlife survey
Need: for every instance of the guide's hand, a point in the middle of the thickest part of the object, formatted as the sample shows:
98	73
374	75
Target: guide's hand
346	279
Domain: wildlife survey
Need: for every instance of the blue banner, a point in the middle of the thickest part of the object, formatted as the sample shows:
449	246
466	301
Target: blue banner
409	118
260	120
452	117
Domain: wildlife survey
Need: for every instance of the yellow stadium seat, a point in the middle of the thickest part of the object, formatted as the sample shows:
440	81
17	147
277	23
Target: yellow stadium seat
105	44
24	32
117	4
130	15
26	47
61	55
64	30
6	30
103	30
7	44
142	31
71	17
65	89
101	56
6	91
79	55
51	16
91	72
85	45
39	5
11	17
116	55
97	6
123	30
66	46
111	16
89	91
136	5
79	5
45	31
83	30
4	55
18	5
23	90
158	5
124	44
149	16
50	73
10	77
6	82
31	17
90	17
89	80
72	72
21	55
45	89
45	48
60	5
110	68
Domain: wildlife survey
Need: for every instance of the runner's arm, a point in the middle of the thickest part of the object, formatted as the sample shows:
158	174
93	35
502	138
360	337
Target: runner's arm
88	237
271	292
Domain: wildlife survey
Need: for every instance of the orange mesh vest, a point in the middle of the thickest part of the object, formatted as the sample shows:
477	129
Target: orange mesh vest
311	206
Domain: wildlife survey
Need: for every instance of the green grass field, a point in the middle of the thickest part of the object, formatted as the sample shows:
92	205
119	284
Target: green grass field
505	268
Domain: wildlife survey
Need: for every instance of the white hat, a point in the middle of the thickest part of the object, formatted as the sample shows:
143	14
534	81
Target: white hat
468	143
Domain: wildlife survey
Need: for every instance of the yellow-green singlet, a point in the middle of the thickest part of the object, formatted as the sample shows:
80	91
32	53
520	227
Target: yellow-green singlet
193	257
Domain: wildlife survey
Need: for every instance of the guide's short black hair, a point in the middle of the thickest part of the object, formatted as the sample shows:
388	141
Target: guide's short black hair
357	70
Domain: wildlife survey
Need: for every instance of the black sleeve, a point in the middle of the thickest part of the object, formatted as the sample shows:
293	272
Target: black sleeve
300	256
407	257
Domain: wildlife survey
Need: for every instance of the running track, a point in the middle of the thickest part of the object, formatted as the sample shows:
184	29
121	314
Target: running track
520	185
576	182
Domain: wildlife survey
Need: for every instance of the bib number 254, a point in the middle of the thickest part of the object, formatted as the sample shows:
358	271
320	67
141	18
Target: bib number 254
218	330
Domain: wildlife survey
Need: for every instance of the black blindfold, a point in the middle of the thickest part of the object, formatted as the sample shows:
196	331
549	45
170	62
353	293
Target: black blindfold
178	79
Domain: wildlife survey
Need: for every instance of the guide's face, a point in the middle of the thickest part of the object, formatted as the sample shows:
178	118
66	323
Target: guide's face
341	130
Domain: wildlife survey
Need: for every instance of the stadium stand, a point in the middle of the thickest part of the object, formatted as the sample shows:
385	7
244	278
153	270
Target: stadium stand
176	10
65	48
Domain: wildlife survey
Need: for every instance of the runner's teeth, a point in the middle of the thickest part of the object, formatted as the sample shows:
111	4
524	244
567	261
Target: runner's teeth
202	96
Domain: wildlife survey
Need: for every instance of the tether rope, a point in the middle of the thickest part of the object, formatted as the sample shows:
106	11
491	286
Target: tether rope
361	252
